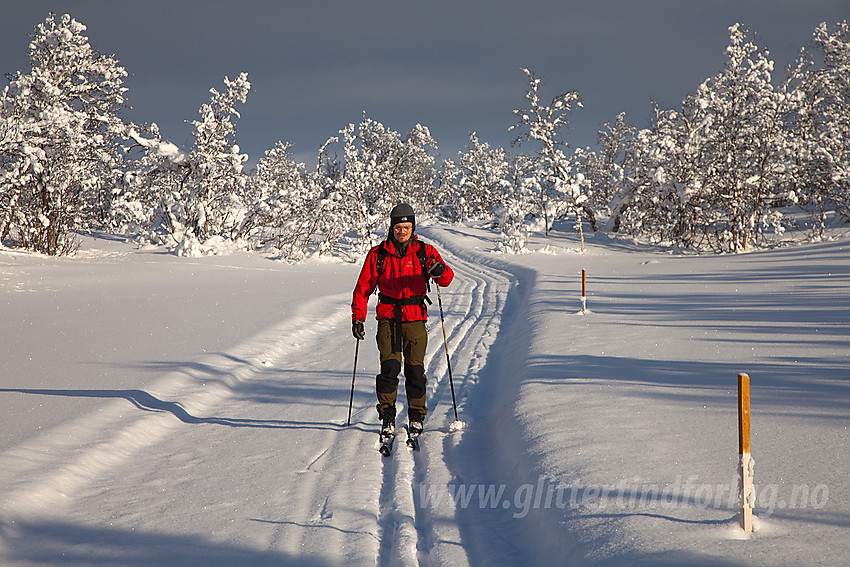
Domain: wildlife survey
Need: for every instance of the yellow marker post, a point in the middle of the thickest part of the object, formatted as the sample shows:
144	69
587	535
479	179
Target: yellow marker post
584	291
746	462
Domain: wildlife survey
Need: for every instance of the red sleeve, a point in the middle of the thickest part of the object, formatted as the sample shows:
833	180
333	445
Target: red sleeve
448	275
365	286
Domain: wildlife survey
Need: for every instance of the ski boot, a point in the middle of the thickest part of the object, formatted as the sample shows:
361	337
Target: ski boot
414	429
387	435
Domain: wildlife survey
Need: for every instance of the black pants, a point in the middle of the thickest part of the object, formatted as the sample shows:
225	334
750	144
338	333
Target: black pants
414	343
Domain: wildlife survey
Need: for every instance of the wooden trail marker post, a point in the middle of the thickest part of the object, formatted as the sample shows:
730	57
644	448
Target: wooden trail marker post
746	460
584	291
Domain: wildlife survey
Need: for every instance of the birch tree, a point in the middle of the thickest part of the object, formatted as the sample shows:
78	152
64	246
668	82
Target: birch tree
547	125
60	134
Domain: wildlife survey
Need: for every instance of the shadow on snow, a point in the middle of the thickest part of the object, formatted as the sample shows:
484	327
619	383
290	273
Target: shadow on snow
61	544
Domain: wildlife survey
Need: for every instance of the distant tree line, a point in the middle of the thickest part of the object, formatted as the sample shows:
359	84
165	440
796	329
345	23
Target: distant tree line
720	173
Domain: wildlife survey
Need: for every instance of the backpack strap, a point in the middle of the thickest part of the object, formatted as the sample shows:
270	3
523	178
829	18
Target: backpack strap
422	260
382	255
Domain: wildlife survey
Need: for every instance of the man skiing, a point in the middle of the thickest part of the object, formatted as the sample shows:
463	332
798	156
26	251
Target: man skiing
400	267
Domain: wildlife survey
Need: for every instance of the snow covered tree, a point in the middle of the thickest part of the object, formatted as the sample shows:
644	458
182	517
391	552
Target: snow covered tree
481	180
741	124
201	192
379	169
517	203
710	175
819	124
547	124
605	170
283	211
444	199
60	133
216	187
148	182
652	199
277	173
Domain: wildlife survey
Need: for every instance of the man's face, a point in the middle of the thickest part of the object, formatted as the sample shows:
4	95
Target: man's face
403	231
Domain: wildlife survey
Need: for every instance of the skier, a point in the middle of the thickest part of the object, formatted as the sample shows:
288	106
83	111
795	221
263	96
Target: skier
400	267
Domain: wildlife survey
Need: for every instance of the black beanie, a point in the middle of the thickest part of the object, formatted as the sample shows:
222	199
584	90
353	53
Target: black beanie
402	213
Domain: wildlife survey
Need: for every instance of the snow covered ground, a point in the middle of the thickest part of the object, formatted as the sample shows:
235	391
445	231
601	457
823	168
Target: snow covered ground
192	411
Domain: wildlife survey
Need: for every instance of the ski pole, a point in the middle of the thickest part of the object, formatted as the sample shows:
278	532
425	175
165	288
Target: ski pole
353	374
446	343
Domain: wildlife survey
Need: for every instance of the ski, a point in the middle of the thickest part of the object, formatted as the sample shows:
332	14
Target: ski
413	441
413	432
386	447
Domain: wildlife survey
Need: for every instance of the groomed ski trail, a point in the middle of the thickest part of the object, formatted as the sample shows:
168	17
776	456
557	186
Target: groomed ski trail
464	486
417	529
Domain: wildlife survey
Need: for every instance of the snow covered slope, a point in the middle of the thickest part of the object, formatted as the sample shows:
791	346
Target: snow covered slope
616	437
172	411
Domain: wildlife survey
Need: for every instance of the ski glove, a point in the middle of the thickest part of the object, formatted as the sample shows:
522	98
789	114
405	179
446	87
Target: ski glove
436	269
358	330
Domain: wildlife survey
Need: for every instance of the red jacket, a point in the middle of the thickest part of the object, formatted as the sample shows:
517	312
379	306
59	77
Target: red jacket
401	278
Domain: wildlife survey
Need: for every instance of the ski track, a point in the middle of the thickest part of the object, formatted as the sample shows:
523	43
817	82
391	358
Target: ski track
429	533
49	470
344	502
467	456
40	479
